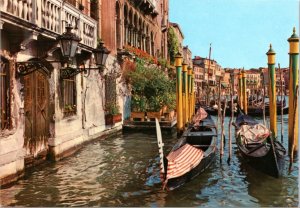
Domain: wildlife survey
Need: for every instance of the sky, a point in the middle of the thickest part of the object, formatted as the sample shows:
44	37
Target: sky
240	31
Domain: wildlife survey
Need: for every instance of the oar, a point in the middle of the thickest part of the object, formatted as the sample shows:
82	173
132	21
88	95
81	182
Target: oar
160	146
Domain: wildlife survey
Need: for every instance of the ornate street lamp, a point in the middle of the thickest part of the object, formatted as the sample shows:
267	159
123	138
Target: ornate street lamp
101	54
69	42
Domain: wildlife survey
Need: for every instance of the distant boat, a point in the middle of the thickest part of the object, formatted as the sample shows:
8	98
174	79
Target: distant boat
191	155
258	147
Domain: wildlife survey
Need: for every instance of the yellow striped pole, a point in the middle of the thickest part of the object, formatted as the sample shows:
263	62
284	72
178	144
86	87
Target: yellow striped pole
244	92
272	91
178	65
293	83
193	95
184	94
189	91
240	95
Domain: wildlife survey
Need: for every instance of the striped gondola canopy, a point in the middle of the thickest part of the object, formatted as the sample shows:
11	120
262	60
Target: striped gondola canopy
183	160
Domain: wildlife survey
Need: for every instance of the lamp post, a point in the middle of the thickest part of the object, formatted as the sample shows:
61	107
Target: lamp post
272	91
293	83
69	42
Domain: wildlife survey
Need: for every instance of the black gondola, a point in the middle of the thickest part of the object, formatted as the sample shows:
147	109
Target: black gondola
267	155
202	138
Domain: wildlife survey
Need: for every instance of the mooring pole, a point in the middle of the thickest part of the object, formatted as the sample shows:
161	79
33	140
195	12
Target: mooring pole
263	96
244	92
189	91
293	83
295	117
272	91
193	93
219	104
222	130
184	94
281	102
178	65
232	114
240	96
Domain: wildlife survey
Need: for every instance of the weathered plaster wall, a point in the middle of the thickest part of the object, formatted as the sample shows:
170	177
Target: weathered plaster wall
12	140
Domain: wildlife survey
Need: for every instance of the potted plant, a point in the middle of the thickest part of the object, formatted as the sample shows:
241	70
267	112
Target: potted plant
154	109
113	114
69	110
138	107
170	102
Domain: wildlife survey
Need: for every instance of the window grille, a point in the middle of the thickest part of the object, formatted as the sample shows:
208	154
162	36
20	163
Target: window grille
4	95
69	90
110	90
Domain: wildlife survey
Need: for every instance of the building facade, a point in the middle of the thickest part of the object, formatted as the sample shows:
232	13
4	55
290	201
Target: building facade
179	35
45	113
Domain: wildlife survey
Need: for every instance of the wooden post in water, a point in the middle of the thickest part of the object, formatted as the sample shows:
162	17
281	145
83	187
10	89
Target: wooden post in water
189	92
272	91
208	89
295	138
240	94
178	65
281	100
244	92
264	96
219	104
293	83
185	107
232	115
192	108
222	129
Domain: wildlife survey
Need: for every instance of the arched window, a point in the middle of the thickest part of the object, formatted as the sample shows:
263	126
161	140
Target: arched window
118	25
4	94
126	25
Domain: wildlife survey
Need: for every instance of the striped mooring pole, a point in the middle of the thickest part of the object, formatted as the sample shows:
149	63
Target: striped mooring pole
272	91
193	94
189	91
185	106
240	97
178	65
244	92
293	83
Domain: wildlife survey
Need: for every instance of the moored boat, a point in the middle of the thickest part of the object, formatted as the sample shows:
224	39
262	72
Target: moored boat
258	147
191	155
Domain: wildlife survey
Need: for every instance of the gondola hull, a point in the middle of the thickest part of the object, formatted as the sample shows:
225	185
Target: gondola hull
205	139
203	165
265	160
267	157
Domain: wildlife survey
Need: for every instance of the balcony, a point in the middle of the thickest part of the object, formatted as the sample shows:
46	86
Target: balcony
50	18
148	6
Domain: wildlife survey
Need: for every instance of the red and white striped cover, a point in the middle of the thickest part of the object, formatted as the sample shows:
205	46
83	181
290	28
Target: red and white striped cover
183	160
199	116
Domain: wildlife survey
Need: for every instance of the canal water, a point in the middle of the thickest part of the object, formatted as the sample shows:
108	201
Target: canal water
124	171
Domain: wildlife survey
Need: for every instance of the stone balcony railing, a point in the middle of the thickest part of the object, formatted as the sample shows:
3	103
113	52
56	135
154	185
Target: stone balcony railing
52	15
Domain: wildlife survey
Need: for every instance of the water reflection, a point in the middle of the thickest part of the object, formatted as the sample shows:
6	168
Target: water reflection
124	171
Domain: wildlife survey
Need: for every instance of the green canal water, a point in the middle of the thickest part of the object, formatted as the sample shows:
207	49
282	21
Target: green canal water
124	171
